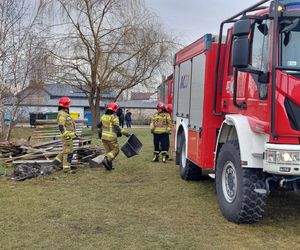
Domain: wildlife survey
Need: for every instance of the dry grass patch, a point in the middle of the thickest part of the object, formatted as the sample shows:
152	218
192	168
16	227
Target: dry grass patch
139	205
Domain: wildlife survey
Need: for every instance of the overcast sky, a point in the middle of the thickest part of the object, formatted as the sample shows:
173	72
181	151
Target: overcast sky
191	19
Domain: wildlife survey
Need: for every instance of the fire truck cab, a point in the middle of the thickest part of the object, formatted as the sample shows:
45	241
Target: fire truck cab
236	106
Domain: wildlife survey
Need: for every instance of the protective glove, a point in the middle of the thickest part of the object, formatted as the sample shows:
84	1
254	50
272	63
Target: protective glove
72	134
119	134
67	136
128	135
99	135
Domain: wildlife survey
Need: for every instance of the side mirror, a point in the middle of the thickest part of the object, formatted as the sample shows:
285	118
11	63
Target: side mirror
242	28
241	45
240	52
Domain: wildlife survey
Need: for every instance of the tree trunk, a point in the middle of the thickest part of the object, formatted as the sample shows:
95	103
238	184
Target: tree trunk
13	115
95	111
10	127
3	127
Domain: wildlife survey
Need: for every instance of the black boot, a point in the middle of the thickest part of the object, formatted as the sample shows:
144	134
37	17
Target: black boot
57	165
107	164
155	157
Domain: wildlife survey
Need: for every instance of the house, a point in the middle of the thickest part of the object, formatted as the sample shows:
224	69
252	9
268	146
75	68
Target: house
44	98
141	95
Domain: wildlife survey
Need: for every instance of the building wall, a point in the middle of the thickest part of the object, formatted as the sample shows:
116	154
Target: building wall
141	116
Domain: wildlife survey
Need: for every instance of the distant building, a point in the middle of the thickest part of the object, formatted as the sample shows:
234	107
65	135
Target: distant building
141	95
44	98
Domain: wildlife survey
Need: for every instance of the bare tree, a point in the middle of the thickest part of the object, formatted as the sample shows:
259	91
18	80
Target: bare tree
108	45
20	51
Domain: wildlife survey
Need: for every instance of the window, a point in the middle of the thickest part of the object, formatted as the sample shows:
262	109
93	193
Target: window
260	54
230	68
290	50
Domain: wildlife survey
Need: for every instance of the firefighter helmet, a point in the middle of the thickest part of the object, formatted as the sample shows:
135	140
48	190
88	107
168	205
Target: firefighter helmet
160	105
169	108
64	102
112	106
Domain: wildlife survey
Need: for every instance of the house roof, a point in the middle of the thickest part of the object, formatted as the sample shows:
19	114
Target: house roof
141	95
59	90
50	93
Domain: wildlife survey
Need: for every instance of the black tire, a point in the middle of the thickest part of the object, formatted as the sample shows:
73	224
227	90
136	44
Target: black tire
188	170
235	187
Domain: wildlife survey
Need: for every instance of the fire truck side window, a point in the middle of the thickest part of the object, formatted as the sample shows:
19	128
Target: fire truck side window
290	51
260	54
229	39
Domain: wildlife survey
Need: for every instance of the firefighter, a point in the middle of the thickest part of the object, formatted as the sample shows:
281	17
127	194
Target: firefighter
66	127
169	110
160	127
109	130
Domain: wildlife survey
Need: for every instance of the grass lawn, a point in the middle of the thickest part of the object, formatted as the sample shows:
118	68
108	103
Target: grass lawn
139	205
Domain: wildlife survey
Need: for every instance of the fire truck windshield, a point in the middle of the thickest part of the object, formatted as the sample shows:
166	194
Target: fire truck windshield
289	3
289	42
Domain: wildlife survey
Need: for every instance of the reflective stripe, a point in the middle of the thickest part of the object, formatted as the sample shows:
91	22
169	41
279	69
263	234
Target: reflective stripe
161	130
108	132
108	135
58	159
111	155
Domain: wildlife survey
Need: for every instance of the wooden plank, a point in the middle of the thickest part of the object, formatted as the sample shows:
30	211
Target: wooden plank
32	161
55	127
52	131
48	162
54	121
48	143
31	156
48	136
37	150
51	134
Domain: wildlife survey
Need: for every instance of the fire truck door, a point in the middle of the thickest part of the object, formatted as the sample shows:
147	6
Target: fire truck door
196	108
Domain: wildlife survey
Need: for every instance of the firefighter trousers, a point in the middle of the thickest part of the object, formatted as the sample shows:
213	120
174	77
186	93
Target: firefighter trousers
168	143
66	155
160	142
111	149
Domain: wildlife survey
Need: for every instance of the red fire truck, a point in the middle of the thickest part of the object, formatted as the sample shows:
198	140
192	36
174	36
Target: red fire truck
236	106
165	90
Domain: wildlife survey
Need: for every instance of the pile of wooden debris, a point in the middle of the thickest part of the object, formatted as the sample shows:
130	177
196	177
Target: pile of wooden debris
39	155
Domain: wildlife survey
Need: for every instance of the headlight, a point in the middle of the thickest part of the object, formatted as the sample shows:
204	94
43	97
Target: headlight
271	156
283	157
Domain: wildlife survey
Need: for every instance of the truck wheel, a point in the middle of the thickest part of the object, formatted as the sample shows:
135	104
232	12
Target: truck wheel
235	187
188	170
